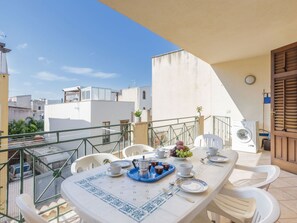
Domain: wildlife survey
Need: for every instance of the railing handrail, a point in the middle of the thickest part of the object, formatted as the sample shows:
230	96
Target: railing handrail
171	119
59	131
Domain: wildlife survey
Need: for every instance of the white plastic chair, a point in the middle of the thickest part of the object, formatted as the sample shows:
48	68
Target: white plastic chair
27	208
208	140
90	161
136	149
246	204
272	173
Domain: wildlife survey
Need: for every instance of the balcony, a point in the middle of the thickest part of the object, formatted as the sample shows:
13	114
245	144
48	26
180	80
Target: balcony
43	181
47	157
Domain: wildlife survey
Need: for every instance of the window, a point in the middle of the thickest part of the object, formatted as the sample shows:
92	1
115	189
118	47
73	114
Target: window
86	95
106	133
143	95
124	127
39	107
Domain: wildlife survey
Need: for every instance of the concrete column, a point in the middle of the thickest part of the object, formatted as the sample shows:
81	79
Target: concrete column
4	142
140	133
200	125
3	124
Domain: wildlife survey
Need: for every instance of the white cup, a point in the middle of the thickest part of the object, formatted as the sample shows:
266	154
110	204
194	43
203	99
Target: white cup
185	169
115	168
161	153
212	151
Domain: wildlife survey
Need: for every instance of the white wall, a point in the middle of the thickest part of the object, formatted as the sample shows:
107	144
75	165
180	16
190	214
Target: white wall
147	102
135	95
131	95
67	116
23	101
112	111
182	81
17	113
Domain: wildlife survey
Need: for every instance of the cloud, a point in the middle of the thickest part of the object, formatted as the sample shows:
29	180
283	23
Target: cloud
47	76
28	84
12	71
77	70
44	60
86	71
22	46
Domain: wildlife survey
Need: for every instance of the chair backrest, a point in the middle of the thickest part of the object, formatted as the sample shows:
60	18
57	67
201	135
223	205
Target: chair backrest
27	208
267	207
272	172
136	149
209	140
90	161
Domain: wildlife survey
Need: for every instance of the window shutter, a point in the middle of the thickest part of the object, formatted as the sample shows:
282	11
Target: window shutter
291	105
279	105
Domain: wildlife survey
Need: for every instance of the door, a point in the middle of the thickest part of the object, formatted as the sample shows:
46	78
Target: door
284	107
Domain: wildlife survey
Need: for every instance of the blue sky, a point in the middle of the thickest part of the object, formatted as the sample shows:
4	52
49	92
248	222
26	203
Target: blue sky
57	44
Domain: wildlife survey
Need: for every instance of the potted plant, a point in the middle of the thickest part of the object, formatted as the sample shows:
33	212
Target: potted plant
199	110
137	115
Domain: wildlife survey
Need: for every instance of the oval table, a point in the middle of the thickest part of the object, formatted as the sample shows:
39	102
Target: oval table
98	197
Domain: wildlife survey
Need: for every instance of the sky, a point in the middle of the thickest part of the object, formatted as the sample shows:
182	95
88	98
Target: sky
64	43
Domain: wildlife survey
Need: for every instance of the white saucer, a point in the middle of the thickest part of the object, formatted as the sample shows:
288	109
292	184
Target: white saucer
218	159
156	156
123	163
192	185
108	173
186	176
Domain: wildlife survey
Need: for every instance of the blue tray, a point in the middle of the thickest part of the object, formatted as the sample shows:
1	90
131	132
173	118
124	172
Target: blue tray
151	176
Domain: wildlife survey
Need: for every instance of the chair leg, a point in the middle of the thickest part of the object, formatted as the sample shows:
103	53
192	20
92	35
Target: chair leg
215	218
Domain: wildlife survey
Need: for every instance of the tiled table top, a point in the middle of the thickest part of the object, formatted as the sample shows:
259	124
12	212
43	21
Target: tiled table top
100	198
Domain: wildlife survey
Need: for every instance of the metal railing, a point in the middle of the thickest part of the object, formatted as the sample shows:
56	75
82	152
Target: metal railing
46	178
220	126
167	132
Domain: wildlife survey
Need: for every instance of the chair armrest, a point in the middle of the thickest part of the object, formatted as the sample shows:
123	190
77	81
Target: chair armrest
272	171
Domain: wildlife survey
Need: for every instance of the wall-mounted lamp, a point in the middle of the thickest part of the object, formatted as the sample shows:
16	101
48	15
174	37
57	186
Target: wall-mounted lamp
250	79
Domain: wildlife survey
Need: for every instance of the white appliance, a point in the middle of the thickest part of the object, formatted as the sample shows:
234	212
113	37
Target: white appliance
245	136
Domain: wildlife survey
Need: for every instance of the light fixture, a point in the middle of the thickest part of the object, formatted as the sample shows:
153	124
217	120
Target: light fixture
250	79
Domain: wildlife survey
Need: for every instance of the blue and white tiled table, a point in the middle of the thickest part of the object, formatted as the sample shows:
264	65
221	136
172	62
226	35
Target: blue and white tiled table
100	198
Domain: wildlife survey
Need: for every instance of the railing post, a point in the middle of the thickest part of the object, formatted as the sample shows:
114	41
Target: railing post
140	133
200	123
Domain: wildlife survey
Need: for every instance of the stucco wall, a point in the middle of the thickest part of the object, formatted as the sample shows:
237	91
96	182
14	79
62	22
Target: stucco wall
182	81
147	102
17	113
135	95
130	94
67	116
102	111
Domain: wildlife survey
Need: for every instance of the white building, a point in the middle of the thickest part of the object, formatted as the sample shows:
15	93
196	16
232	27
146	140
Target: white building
92	107
19	107
142	97
37	107
182	81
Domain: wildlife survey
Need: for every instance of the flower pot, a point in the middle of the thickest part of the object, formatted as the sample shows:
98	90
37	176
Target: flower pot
137	119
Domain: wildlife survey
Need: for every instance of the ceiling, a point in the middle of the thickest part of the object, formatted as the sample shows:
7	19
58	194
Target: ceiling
217	30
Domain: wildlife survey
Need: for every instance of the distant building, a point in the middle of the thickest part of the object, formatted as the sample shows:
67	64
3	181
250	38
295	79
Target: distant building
22	106
79	93
19	107
37	107
89	107
142	98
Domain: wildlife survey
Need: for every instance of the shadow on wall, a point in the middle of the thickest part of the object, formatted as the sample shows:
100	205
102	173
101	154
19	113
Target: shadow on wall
247	98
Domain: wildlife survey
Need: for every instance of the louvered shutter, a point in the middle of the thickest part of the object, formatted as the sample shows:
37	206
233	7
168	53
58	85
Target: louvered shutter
284	104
